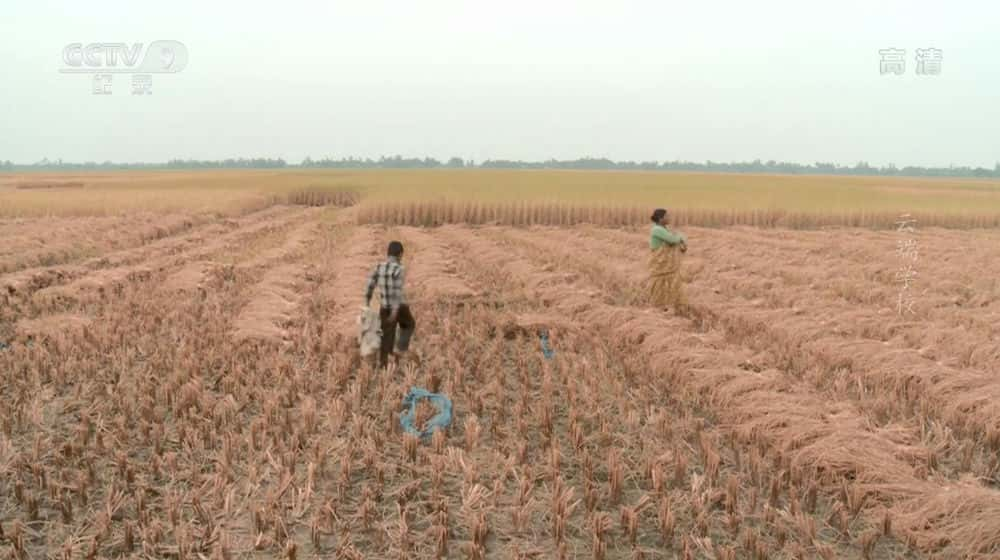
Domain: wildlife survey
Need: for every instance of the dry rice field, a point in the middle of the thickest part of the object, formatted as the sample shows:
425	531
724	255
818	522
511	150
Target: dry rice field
186	385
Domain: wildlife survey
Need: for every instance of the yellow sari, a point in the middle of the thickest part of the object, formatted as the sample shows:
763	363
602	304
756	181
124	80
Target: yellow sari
665	277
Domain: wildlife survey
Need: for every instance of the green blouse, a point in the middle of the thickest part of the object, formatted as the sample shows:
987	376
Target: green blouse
661	235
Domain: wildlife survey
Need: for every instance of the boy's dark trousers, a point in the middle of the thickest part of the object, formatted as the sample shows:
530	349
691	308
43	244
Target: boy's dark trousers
405	322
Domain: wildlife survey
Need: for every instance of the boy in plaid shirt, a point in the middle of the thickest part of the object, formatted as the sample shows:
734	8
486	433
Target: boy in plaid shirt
389	276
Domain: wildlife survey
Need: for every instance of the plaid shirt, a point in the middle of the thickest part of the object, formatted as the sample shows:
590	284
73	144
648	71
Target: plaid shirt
388	276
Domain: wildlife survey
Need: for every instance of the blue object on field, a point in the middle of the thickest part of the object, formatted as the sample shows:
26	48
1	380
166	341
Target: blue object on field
440	420
546	351
8	346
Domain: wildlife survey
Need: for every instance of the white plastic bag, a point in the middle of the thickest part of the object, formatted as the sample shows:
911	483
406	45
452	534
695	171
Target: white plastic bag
369	332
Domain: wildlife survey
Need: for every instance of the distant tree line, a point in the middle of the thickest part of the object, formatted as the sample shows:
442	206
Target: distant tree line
241	163
231	163
399	162
392	162
755	166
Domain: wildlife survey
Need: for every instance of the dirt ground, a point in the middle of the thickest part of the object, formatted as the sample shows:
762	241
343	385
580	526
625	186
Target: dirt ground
187	386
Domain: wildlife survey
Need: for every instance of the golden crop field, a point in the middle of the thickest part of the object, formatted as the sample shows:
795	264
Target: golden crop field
181	378
235	191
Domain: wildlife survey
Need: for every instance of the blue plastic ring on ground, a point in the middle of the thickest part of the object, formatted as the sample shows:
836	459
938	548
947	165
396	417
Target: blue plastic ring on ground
441	420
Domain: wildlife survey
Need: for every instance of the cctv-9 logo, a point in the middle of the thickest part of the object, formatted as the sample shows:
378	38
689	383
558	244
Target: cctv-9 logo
161	57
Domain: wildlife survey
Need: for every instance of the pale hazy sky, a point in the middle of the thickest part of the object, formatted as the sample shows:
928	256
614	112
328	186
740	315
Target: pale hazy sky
786	80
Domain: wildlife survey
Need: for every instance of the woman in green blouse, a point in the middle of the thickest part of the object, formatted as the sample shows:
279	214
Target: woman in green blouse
665	263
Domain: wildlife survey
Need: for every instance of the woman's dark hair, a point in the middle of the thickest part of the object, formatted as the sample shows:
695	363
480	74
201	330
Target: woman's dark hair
658	214
395	249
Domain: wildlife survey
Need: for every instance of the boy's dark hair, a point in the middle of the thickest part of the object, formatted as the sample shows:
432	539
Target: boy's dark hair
395	249
658	214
